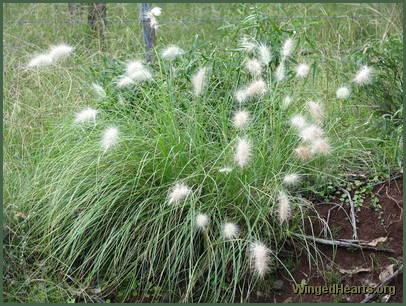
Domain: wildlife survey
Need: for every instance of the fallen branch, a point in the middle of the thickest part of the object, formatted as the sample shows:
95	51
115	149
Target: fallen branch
342	243
386	282
353	220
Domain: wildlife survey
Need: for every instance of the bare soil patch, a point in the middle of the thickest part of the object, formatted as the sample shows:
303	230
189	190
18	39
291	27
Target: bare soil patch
370	227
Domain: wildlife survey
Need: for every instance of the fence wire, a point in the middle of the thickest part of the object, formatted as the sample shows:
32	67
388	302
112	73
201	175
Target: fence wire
199	19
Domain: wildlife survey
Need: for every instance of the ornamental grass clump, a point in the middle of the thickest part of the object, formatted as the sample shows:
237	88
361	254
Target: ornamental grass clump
179	187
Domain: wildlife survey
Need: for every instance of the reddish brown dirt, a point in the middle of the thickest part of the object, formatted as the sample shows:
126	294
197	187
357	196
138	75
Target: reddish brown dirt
390	197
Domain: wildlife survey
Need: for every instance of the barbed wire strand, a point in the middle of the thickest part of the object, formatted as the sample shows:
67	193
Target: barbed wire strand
197	19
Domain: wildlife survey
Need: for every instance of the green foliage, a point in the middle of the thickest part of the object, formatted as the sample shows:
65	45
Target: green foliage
101	220
387	90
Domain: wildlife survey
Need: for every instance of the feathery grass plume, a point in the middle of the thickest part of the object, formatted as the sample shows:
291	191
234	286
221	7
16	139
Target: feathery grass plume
240	119
242	152
156	11
230	230
303	152
316	110
109	138
253	66
280	71
241	95
141	75
302	70
343	92
257	87
298	121
225	170
172	52
124	81
202	221
284	209
259	258
86	115
178	193
286	102
136	71
291	179
311	133
60	51
99	91
264	53
46	59
363	76
199	81
133	67
320	145
247	44
40	61
287	47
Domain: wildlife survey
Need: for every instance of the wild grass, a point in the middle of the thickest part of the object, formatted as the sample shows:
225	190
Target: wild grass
102	219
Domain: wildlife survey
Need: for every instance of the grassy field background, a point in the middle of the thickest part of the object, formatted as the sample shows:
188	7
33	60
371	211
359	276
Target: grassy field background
36	102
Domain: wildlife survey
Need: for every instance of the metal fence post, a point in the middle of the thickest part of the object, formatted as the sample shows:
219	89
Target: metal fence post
148	31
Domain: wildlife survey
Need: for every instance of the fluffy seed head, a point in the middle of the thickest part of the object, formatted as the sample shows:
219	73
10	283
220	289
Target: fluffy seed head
156	11
303	152
241	95
153	22
363	76
137	72
230	230
286	102
109	138
99	91
280	72
172	52
133	67
140	75
202	221
311	133
287	47
264	53
302	70
316	110
298	121
124	81
240	119
242	152
199	81
253	66
257	87
247	44
178	193
85	115
40	61
60	51
320	145
343	92
259	257
283	207
225	170
291	179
